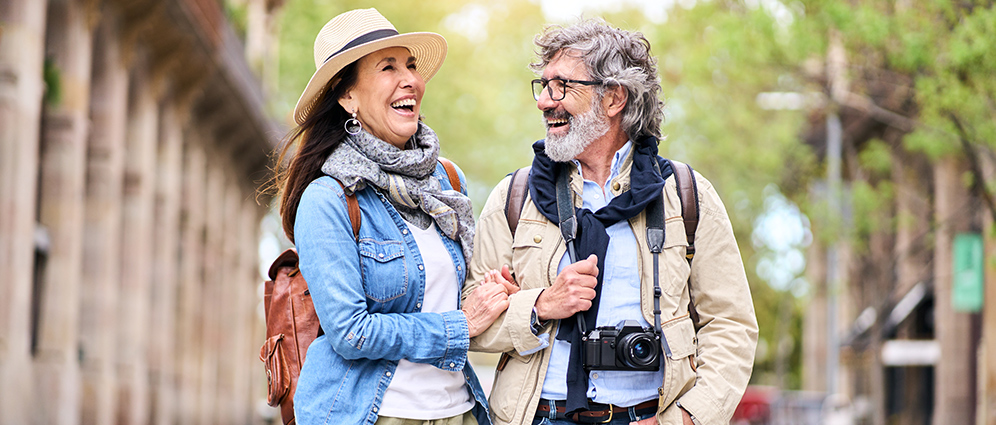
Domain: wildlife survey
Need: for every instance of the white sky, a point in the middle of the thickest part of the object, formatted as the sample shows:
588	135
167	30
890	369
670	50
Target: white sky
566	10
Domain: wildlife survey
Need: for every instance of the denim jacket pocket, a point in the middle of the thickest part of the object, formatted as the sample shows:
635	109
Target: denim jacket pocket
384	271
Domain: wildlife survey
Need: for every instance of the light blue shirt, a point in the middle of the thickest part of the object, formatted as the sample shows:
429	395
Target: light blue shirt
620	300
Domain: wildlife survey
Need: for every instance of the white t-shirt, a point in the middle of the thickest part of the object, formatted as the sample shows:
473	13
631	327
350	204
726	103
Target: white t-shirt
418	390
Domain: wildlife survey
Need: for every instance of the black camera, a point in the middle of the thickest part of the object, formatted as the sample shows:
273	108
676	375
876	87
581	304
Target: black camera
626	346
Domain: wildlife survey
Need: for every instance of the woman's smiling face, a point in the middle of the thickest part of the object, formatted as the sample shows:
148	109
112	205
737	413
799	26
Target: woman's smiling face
387	95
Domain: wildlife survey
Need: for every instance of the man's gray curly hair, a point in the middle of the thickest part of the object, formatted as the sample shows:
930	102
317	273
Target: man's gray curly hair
618	58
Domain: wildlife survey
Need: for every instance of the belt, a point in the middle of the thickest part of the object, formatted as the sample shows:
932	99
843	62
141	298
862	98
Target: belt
598	413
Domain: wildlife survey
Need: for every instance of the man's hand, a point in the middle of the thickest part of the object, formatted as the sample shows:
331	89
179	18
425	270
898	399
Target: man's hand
571	292
686	419
504	277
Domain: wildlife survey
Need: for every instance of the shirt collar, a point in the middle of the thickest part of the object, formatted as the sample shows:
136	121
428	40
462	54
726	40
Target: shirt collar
617	161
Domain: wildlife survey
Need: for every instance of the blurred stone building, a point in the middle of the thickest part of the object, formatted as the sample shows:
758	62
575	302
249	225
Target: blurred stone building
133	136
902	325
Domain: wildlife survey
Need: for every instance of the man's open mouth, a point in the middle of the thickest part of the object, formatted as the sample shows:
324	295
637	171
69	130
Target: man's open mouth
556	122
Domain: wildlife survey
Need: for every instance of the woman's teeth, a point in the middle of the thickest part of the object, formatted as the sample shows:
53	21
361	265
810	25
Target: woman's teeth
405	103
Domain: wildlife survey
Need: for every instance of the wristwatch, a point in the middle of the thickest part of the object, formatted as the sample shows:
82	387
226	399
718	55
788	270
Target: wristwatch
535	324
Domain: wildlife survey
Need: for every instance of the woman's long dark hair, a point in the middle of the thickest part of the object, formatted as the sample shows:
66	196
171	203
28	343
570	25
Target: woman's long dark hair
319	134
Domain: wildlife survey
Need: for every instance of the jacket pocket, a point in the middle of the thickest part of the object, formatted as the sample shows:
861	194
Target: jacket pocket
679	376
508	390
527	261
673	259
385	275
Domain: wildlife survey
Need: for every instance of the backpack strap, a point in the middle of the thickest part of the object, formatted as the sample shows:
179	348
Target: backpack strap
688	194
516	198
451	173
353	208
514	201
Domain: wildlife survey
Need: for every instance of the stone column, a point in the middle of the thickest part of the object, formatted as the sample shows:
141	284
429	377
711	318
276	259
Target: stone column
102	226
21	89
166	264
65	127
244	285
189	324
952	391
211	293
228	321
262	41
137	248
814	331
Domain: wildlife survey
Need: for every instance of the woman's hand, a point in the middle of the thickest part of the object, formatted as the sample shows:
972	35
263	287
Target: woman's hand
488	300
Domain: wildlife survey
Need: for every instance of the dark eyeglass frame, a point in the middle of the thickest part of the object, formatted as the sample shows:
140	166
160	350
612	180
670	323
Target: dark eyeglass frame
545	84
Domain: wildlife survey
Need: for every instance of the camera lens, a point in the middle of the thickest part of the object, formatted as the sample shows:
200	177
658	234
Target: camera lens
639	350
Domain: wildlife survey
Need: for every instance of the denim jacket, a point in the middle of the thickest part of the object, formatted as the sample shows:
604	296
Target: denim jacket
368	296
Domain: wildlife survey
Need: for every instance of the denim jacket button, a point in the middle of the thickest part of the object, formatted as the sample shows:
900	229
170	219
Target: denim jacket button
404	231
418	305
380	255
452	364
421	267
388	373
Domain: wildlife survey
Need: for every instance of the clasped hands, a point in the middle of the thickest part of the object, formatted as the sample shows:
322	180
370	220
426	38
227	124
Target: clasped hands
488	300
571	292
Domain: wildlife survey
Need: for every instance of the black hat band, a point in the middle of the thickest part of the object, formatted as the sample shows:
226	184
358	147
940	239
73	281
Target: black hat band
365	38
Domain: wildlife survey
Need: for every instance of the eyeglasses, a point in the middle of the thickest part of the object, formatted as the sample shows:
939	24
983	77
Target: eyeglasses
557	87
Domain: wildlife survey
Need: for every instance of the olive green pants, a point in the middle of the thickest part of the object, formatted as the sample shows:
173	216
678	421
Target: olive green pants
464	419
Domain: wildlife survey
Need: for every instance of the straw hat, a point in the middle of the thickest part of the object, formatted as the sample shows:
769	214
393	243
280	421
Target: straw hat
352	35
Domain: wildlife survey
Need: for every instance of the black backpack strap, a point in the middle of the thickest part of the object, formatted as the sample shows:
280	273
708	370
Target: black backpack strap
516	198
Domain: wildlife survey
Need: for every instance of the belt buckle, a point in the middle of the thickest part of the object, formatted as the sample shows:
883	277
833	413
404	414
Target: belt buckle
610	415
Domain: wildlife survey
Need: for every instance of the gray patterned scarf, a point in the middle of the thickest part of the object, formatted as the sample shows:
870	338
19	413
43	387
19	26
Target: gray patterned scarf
406	178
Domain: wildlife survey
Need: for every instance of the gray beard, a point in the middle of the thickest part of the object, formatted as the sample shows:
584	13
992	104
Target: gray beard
584	129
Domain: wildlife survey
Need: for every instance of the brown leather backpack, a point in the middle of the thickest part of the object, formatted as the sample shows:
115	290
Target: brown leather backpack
291	321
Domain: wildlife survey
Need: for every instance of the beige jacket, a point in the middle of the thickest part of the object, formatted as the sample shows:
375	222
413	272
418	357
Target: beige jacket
708	370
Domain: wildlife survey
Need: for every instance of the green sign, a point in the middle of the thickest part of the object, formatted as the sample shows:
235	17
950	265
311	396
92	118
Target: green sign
966	292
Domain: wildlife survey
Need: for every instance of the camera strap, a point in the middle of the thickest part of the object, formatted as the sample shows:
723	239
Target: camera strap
568	224
655	241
